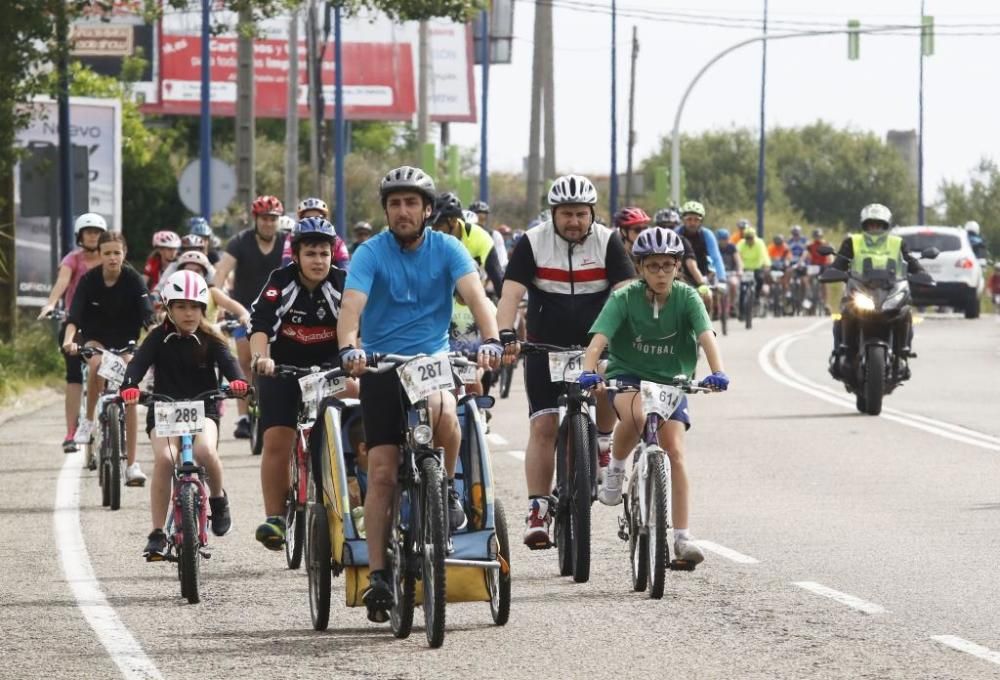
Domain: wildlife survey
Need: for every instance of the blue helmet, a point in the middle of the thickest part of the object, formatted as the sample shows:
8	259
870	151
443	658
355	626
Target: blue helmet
314	228
199	226
722	234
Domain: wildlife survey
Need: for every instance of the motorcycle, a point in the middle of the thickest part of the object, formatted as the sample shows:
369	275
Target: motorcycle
876	302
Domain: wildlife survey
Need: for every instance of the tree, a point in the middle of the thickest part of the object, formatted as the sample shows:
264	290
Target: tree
979	200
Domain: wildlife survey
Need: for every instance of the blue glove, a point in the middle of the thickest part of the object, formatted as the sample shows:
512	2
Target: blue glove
491	349
718	381
588	380
349	355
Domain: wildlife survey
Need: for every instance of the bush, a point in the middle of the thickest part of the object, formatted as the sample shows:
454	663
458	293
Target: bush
32	357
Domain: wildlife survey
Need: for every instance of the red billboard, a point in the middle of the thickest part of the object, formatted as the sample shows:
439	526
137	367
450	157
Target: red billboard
378	78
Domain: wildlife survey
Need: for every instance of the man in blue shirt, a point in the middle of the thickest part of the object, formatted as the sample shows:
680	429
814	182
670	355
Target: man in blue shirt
399	289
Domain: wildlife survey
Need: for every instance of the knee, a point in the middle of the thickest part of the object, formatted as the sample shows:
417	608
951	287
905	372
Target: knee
381	474
545	427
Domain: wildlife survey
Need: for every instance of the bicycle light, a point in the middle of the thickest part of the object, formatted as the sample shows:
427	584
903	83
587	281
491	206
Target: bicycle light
422	434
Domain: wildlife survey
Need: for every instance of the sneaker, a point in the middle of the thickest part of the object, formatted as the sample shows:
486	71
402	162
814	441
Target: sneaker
603	456
537	523
85	432
156	546
91	459
242	430
69	444
456	513
222	521
611	492
134	476
272	533
687	550
378	597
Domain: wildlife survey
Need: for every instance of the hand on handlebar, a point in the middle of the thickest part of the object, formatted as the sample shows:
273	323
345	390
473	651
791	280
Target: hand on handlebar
130	395
263	366
46	310
71	348
589	380
511	346
353	360
238	388
490	354
718	382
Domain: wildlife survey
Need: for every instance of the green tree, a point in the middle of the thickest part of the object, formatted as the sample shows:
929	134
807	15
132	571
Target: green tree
978	200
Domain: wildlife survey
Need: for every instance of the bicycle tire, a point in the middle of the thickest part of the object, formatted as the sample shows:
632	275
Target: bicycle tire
748	307
113	458
295	519
562	532
103	469
638	546
724	313
403	580
506	378
256	436
319	557
498	582
434	536
189	559
658	500
581	488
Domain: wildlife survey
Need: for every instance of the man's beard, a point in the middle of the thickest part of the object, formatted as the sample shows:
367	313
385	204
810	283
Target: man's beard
264	237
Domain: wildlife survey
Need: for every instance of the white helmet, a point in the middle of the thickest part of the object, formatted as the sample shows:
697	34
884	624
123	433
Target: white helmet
572	189
313	204
89	221
876	212
972	227
470	217
286	223
185	285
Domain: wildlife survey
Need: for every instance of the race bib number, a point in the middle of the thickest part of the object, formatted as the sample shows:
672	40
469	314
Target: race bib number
468	373
424	376
174	418
660	399
565	366
112	369
315	387
812	269
747	277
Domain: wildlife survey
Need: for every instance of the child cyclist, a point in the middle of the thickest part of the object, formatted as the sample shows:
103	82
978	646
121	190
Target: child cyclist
184	352
653	327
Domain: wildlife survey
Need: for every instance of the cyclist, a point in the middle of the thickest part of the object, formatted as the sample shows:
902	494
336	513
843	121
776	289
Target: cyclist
316	207
733	263
447	217
286	225
482	211
567	266
781	258
631	222
165	247
400	291
362	232
199	226
654	306
110	308
706	249
753	254
976	240
217	298
189	243
668	218
293	321
251	256
741	230
184	352
88	229
815	257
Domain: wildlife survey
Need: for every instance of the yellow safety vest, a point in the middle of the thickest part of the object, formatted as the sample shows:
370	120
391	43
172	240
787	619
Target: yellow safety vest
880	252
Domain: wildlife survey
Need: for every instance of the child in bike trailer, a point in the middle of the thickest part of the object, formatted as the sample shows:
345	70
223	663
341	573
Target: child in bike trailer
652	328
184	352
463	336
110	308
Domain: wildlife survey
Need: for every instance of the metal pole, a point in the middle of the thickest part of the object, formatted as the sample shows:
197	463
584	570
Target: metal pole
761	151
613	198
292	115
484	45
631	117
338	110
423	90
205	146
920	132
315	97
534	169
65	148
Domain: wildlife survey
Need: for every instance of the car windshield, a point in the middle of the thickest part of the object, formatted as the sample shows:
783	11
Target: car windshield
932	239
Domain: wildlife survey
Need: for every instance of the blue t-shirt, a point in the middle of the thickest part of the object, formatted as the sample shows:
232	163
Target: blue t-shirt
409	291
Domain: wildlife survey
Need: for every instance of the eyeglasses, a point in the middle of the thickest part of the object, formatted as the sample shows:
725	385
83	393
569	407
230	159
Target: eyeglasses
654	268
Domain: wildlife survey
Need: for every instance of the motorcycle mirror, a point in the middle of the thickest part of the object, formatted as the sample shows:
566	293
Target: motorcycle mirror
921	279
929	253
831	275
826	250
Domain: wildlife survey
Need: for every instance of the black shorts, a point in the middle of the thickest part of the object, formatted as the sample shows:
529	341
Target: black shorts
543	394
277	401
383	407
74	364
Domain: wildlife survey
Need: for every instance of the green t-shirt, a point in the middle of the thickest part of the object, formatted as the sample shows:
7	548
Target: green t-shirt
652	349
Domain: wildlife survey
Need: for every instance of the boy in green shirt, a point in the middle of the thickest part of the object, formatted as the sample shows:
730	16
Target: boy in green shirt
653	327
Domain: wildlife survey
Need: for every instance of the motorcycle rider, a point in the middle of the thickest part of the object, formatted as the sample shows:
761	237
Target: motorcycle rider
884	251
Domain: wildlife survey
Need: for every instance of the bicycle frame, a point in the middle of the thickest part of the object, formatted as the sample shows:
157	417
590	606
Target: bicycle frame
186	472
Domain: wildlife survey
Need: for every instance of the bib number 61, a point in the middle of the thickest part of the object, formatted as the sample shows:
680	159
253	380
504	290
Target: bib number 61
660	399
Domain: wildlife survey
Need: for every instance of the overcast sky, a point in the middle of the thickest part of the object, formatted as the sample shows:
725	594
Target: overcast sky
807	78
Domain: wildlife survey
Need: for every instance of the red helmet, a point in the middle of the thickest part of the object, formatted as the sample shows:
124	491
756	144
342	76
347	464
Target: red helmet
267	205
631	217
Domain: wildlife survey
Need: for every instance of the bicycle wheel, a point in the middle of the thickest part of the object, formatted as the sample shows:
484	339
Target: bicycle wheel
295	518
563	534
318	566
748	308
189	560
499	582
113	456
506	378
256	436
638	546
103	468
580	489
403	581
657	499
434	538
724	313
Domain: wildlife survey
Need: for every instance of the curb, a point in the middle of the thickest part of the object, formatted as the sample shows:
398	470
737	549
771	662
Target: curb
29	402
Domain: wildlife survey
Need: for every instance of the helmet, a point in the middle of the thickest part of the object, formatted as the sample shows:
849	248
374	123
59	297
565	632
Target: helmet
286	223
196	257
693	208
742	224
750	233
631	217
722	234
313	204
267	205
470	217
363	226
572	189
313	228
876	212
185	285
166	239
446	205
778	239
667	217
657	241
817	233
199	226
796	230
480	207
972	227
89	221
192	241
407	178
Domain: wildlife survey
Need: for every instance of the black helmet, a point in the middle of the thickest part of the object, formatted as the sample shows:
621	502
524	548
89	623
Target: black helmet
480	207
446	205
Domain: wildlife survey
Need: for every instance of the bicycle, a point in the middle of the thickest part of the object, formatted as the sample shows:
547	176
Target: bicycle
748	293
720	305
576	460
647	496
186	524
59	315
111	460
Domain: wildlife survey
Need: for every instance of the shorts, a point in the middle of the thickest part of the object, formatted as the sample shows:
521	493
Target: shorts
74	364
621	382
383	407
278	401
543	394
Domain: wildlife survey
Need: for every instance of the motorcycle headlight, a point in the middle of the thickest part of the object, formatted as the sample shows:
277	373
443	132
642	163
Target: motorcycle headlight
894	300
863	303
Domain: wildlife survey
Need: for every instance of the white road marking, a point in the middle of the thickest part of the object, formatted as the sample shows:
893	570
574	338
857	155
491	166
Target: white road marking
516	454
843	598
496	440
728	553
972	648
112	633
783	373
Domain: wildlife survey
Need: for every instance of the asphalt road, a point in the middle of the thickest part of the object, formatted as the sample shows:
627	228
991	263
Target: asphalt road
855	547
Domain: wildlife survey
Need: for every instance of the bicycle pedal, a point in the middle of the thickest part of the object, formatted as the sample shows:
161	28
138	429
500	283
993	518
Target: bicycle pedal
681	565
205	554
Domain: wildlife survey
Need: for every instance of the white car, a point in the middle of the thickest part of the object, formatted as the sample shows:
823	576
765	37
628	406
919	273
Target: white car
956	271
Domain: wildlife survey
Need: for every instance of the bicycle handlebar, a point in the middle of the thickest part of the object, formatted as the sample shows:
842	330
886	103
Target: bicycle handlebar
88	352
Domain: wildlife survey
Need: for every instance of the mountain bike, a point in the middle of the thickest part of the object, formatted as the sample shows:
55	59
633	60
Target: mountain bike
748	293
111	460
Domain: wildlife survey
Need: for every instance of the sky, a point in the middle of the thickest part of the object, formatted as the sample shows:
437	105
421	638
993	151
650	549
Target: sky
807	78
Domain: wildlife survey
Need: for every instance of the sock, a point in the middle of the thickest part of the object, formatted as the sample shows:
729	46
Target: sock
681	533
616	464
603	434
241	418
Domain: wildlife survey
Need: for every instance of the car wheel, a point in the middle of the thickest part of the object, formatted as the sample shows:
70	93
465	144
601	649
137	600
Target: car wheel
972	304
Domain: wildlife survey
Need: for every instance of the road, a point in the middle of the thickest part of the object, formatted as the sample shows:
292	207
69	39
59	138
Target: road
854	547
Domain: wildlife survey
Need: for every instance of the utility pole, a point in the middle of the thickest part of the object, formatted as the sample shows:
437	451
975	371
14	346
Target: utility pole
631	117
613	198
534	132
339	129
245	118
761	168
8	262
548	94
315	97
65	145
920	122
292	115
485	56
205	136
424	84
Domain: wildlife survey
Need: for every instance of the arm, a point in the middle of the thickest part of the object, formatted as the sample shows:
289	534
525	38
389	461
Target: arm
592	356
844	256
913	265
712	354
225	360
58	288
513	293
765	256
341	257
493	272
691	266
715	255
738	260
142	360
519	275
223	269
617	262
223	301
351	305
